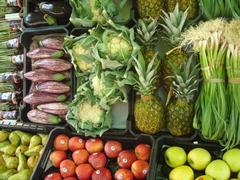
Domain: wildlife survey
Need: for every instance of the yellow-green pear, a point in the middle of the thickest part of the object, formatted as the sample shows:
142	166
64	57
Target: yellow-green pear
32	161
6	174
3	135
21	149
33	151
14	138
23	175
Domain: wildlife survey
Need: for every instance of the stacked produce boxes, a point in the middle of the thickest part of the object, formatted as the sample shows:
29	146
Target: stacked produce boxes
125	89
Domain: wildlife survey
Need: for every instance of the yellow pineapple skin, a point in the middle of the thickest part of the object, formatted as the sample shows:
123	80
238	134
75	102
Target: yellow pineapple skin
150	8
192	6
149	115
180	117
175	57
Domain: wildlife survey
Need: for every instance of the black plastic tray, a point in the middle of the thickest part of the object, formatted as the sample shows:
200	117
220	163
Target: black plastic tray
160	170
28	6
163	132
44	166
26	40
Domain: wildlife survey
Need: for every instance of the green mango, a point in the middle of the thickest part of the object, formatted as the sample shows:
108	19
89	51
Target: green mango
22	162
35	140
44	138
9	149
32	161
33	151
21	149
6	174
25	137
10	161
23	175
4	143
3	135
14	139
3	168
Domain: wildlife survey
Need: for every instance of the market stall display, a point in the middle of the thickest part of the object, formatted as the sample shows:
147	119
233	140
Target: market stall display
125	89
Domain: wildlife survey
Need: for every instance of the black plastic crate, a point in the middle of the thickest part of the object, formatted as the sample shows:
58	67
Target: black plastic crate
26	40
44	166
29	6
26	127
163	132
161	170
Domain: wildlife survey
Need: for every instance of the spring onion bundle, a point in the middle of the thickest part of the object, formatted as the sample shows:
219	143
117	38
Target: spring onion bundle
211	105
220	8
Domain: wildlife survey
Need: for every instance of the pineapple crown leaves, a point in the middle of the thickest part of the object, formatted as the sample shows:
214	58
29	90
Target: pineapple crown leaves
146	74
146	30
174	24
186	80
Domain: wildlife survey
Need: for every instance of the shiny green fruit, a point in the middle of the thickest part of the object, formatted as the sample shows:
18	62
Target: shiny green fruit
182	173
175	156
199	158
218	169
232	157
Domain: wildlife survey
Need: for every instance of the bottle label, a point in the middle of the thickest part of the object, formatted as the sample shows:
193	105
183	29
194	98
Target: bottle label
18	59
6	77
8	114
12	3
6	96
12	43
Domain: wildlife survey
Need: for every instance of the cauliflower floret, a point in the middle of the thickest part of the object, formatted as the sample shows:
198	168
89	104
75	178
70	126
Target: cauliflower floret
77	51
97	85
88	112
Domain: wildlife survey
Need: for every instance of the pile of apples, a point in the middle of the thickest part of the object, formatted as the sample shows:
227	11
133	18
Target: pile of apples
82	159
199	159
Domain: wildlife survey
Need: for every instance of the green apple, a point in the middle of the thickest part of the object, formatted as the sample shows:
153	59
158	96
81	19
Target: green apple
175	156
199	158
232	157
204	177
239	175
218	169
181	173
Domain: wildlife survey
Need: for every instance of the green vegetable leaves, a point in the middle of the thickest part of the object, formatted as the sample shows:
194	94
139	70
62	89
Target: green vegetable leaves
87	13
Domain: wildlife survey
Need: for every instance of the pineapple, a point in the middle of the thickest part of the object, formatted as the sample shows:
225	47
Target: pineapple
150	8
148	109
146	34
174	24
191	5
176	58
180	110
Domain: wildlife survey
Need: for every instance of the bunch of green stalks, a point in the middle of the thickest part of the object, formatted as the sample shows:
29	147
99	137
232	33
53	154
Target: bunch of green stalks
6	64
212	9
6	106
6	87
211	105
7	10
6	35
232	134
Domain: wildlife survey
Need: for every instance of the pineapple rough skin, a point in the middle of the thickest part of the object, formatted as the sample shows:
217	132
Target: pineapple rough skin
176	58
149	115
150	8
179	116
192	6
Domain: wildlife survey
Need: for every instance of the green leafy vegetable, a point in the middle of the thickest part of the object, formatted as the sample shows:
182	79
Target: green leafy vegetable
86	114
87	13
